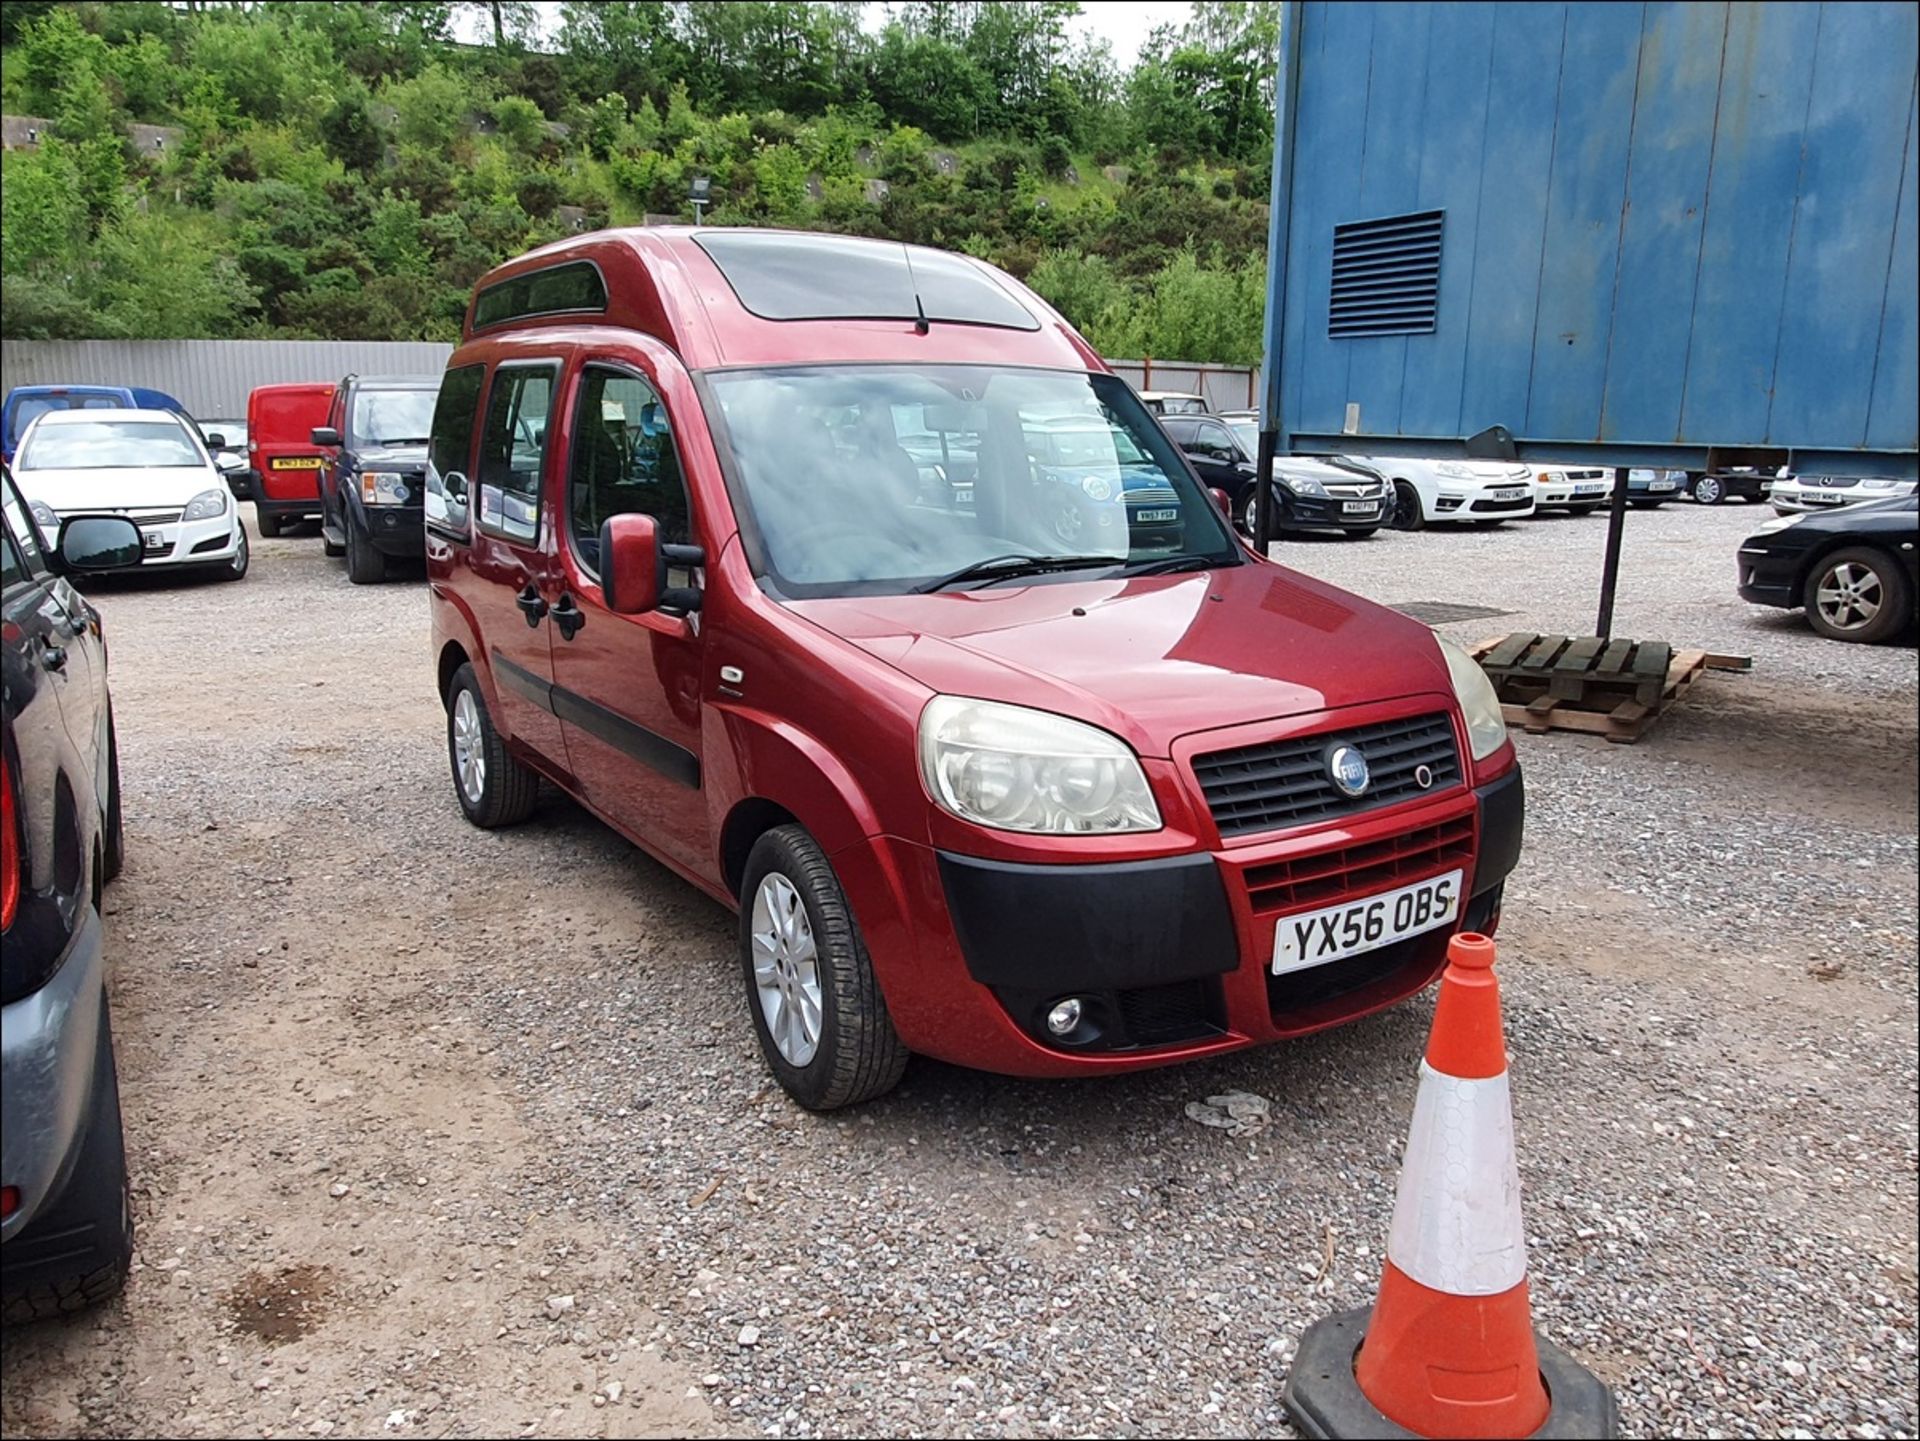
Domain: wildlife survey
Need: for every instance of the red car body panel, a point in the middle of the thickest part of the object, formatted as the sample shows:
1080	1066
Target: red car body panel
822	727
280	421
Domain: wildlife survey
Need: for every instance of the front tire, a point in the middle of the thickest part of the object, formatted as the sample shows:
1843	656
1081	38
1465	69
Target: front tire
1408	514
365	565
822	1023
1858	594
493	787
268	525
236	568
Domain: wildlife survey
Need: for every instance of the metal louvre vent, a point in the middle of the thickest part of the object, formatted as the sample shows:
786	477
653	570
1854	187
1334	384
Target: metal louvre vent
1386	276
1285	783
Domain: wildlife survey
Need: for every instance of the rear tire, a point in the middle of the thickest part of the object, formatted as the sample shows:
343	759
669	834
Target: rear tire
1408	513
89	1226
1858	594
1709	490
365	565
269	526
494	789
830	1042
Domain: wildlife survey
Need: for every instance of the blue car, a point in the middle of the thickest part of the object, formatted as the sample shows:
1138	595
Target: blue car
25	403
1651	488
1105	492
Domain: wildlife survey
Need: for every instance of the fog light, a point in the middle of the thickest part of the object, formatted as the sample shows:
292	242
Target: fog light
1064	1017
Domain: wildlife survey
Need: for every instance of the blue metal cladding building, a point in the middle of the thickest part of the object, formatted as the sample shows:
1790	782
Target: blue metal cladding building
1623	232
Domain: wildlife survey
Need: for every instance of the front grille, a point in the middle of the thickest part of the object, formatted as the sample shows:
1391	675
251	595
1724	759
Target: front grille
1296	991
1285	783
1484	506
138	517
1323	876
1586	475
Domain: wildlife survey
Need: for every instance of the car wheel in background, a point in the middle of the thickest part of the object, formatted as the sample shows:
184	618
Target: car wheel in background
267	525
365	565
1245	510
1708	490
1407	511
494	788
236	568
822	1022
1858	594
113	850
89	1226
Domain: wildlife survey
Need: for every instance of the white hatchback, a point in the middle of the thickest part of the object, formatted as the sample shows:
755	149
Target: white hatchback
1429	492
148	465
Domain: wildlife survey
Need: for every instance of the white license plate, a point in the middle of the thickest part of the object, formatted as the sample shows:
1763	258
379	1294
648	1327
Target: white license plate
155	540
1598	488
1518	492
1148	517
1336	932
1359	507
1663	485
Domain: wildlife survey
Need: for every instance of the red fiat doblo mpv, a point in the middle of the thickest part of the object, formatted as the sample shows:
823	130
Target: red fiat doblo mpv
844	579
283	462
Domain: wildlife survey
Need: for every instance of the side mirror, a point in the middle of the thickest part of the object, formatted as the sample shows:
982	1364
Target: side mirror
216	441
323	435
228	461
1222	502
630	563
99	542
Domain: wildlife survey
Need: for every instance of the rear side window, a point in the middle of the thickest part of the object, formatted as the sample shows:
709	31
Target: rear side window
512	448
558	290
623	462
451	446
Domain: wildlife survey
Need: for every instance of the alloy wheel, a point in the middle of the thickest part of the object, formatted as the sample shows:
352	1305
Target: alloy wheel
1849	596
786	969
1707	490
469	748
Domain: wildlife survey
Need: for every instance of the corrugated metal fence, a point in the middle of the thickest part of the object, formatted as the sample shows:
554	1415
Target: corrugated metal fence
212	377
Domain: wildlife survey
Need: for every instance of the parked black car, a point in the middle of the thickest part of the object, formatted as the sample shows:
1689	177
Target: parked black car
373	486
66	1235
1739	482
1856	570
1312	493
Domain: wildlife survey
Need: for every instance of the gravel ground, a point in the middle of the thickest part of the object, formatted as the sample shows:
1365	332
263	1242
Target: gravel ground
447	1133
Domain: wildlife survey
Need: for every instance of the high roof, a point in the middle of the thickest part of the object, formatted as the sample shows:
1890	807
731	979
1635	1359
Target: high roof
722	296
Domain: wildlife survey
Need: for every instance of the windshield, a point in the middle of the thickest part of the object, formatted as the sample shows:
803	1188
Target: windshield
1247	432
876	479
109	445
392	417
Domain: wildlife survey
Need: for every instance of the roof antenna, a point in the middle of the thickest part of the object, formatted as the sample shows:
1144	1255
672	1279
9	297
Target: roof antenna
921	324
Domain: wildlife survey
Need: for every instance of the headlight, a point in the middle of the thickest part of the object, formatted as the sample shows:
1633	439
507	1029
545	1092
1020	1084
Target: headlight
1302	485
1097	487
1486	727
206	505
1455	470
383	487
1779	522
1880	484
1548	477
43	516
1016	769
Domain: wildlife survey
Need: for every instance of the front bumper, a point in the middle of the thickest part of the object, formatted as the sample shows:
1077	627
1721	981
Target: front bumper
1171	957
396	530
186	542
1482	503
1322	512
47	1066
1769	577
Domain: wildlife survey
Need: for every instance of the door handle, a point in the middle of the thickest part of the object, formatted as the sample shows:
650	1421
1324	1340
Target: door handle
568	617
531	605
53	657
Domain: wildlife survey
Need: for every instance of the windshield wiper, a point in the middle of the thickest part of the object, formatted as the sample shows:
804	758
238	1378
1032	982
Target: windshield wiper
1170	564
1008	567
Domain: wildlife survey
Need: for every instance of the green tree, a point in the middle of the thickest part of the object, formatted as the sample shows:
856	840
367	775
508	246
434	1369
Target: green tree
351	132
159	280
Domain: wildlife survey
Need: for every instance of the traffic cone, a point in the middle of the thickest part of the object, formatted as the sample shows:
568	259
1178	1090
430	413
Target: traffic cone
1448	1349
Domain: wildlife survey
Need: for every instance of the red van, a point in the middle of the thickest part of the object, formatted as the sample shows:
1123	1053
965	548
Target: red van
283	463
766	548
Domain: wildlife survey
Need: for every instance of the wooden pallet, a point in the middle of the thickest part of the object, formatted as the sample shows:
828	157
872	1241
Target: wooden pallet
1612	688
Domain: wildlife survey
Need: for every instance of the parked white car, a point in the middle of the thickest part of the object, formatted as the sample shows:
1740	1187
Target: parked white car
1173	402
1559	487
1793	494
148	465
1480	492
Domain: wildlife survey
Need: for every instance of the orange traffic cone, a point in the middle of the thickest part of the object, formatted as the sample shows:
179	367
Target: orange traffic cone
1449	1348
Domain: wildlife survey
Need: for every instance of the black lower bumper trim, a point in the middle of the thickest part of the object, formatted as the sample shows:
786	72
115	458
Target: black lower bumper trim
1503	818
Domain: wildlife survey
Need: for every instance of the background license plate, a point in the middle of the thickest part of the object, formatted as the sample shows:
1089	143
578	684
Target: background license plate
1336	932
1359	507
1145	516
1517	493
303	462
154	540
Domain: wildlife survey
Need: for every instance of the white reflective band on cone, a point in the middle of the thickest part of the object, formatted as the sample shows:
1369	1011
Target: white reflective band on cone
1456	1219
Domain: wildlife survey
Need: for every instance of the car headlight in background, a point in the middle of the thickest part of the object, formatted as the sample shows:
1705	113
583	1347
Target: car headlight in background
1301	485
1548	477
1015	769
1097	487
1455	470
206	505
44	517
383	487
1479	702
1881	484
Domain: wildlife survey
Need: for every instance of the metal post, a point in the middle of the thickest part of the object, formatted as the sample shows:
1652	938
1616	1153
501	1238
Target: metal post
1280	233
1263	492
1610	572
